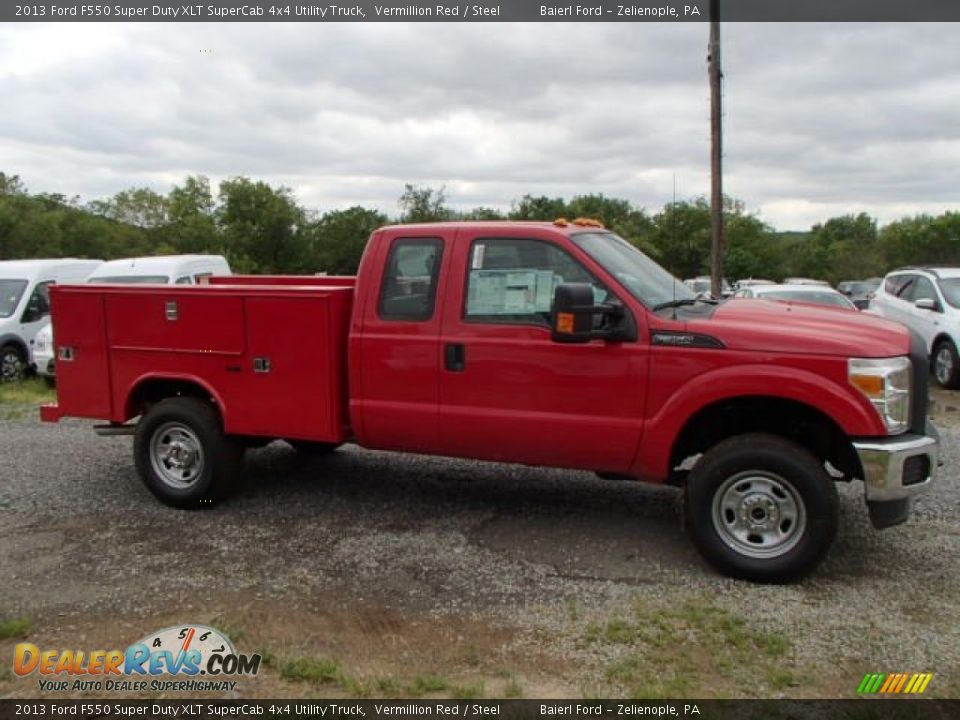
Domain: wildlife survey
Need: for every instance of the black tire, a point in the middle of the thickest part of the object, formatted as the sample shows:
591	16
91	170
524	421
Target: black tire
50	381
761	508
945	364
182	454
13	364
312	447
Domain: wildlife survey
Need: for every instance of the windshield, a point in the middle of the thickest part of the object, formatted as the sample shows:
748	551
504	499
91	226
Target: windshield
951	290
817	298
131	279
642	277
10	293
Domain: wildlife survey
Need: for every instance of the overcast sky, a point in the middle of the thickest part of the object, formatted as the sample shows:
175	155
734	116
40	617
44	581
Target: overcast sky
820	120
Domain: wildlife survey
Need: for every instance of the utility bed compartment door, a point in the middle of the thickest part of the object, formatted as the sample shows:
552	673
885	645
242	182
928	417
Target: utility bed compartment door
82	366
176	321
293	385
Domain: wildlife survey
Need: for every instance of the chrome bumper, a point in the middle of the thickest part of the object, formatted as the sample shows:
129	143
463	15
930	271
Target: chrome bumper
889	471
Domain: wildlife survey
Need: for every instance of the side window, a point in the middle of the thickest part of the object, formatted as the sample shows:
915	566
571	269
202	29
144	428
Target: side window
512	281
185	280
923	290
905	287
38	306
895	284
409	286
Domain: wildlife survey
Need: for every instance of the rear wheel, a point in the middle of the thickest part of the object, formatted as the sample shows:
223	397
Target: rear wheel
13	364
761	508
182	454
946	367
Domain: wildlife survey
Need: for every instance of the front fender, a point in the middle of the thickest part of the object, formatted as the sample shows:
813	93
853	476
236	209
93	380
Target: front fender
851	411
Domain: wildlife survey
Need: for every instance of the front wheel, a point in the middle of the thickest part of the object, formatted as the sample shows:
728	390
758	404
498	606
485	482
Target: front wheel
761	508
182	454
946	368
13	364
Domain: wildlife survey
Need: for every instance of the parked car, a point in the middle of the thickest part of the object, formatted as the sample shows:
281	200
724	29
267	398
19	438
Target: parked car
549	344
812	294
702	284
751	282
860	291
804	281
25	306
926	300
165	269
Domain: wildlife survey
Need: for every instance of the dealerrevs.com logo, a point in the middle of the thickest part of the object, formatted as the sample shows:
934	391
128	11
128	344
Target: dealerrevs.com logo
190	658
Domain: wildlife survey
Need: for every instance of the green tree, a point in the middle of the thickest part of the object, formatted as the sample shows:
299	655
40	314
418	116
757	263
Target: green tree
262	227
191	211
340	236
424	204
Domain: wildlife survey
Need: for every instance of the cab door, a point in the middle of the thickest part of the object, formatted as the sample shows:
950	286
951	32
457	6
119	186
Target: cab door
395	386
507	391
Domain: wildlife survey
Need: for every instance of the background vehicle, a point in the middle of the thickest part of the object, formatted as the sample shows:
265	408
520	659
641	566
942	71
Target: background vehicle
25	304
751	282
860	292
536	343
166	269
813	294
926	300
804	281
702	284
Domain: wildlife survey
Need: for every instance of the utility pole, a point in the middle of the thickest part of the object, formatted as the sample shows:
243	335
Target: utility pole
717	236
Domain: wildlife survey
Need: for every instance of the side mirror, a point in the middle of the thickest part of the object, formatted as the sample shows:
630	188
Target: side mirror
574	312
926	304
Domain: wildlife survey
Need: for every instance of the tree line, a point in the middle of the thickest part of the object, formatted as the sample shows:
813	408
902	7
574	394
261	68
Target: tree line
264	229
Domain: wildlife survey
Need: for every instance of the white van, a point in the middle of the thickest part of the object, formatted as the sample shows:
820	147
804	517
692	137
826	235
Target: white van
164	269
25	305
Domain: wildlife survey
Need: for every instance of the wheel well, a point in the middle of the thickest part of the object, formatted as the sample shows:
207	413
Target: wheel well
17	343
153	391
939	339
793	420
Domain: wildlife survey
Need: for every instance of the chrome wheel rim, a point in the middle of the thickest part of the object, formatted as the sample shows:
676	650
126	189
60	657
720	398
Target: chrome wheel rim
11	366
759	514
943	365
176	455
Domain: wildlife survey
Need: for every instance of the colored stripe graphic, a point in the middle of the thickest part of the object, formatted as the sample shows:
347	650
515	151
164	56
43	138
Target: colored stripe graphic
894	683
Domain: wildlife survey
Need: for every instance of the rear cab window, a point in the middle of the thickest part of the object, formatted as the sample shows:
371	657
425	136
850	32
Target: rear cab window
409	287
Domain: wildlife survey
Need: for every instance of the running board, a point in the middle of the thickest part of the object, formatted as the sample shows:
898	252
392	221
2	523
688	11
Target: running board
106	430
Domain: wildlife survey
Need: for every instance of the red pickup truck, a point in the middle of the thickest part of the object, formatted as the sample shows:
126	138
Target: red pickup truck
555	344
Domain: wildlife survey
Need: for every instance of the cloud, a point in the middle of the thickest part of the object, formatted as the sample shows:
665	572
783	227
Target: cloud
819	119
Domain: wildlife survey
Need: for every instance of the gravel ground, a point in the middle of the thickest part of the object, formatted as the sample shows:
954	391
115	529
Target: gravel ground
501	579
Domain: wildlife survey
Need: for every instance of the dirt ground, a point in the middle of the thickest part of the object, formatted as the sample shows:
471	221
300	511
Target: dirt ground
368	574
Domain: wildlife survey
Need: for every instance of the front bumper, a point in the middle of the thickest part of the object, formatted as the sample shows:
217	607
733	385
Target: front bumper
898	467
894	470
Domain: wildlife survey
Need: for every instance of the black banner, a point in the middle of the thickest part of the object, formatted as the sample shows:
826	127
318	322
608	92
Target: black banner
485	11
912	709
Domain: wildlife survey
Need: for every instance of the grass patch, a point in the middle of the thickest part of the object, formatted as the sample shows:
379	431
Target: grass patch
513	689
15	628
32	391
423	684
313	670
695	648
472	691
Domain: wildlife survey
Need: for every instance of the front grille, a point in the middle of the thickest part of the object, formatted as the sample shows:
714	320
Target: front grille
916	469
921	381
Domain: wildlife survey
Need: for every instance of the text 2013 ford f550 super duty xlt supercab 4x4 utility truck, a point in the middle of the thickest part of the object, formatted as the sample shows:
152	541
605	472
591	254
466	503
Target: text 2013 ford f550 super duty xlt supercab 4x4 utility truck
554	344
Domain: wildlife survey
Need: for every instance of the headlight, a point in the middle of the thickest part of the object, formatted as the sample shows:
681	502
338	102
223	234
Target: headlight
888	384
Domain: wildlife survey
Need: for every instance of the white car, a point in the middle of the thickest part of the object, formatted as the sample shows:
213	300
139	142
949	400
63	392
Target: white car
165	270
813	294
25	306
926	300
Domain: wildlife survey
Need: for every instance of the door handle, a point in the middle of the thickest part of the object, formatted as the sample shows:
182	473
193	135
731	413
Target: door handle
455	357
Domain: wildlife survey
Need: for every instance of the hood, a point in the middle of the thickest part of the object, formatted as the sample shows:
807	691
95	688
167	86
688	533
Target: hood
772	326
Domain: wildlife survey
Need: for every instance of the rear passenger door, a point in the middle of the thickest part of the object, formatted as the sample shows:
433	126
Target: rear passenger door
395	404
